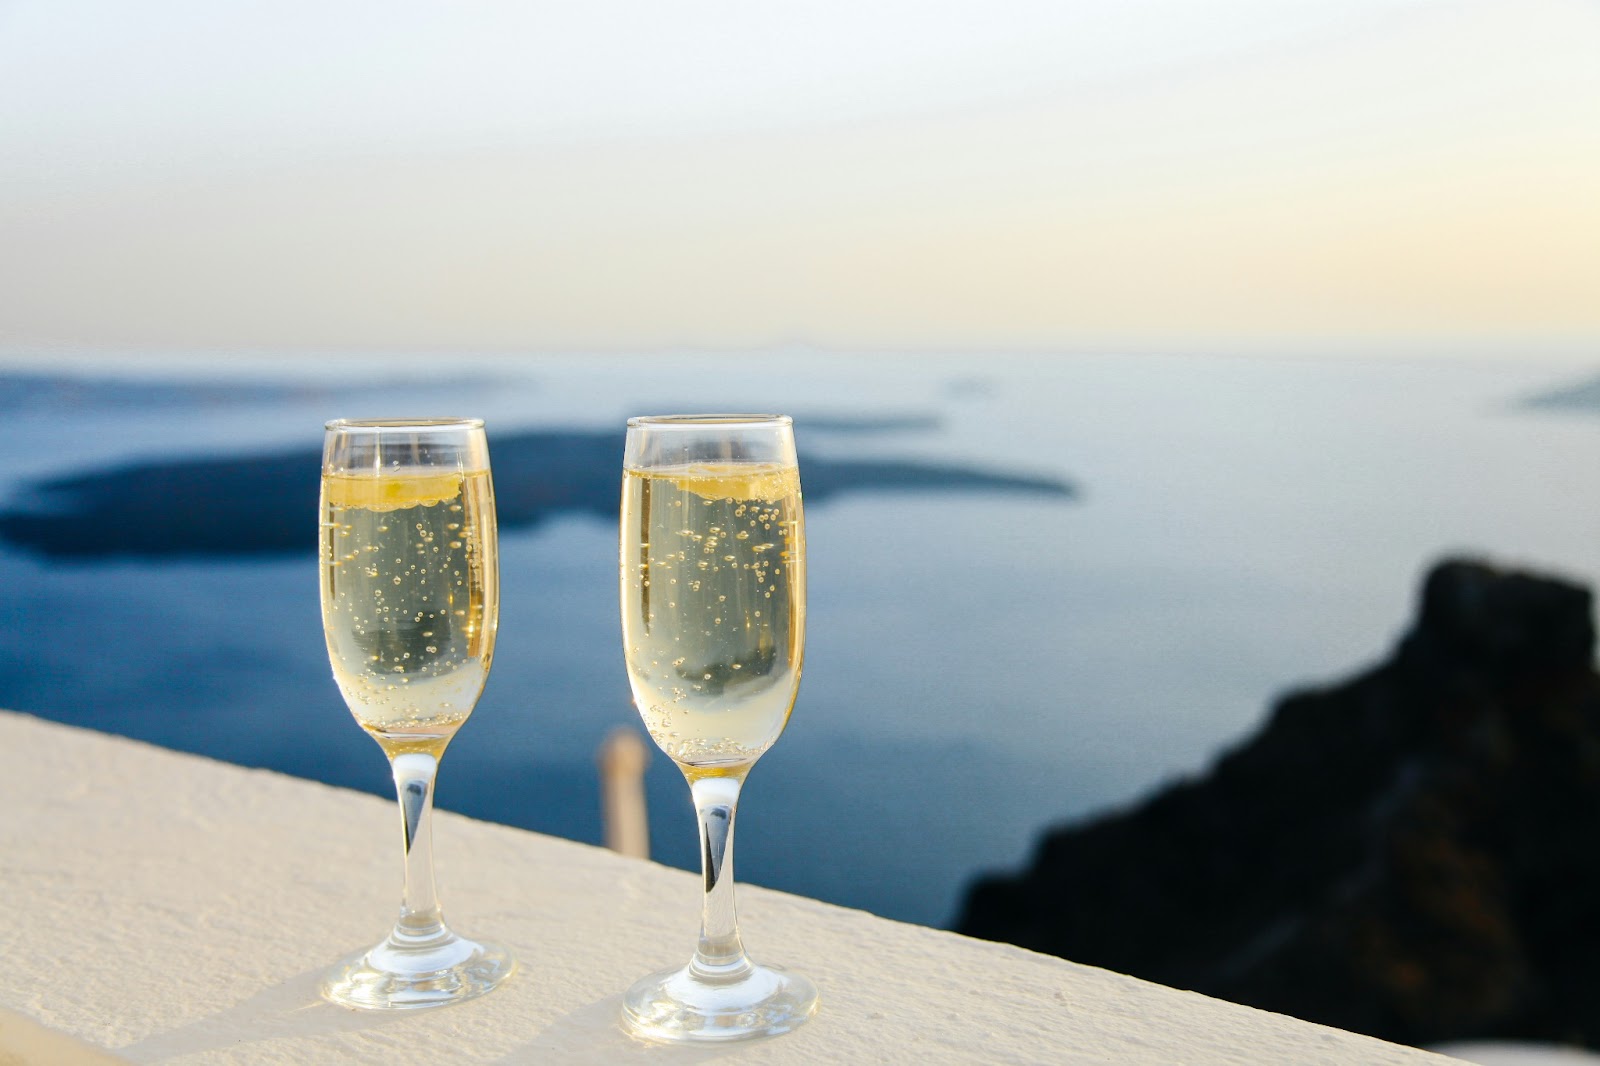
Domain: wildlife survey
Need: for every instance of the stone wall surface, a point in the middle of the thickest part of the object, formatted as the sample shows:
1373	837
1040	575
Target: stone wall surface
177	910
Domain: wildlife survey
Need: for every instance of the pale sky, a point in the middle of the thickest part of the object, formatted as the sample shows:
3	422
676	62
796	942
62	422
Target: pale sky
973	175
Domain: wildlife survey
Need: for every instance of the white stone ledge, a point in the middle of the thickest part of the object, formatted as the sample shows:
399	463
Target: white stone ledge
178	910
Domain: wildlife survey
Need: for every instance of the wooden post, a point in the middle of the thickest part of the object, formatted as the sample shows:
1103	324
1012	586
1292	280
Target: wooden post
623	757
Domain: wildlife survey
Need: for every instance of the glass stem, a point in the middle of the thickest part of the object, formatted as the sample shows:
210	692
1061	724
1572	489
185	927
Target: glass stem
420	917
720	952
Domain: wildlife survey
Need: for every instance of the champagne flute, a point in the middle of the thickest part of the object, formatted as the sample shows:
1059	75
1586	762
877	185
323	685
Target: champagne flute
713	624
410	602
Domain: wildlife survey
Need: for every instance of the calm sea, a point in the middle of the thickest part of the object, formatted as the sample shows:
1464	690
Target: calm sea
1040	588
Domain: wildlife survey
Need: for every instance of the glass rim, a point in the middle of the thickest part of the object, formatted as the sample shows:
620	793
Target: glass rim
340	425
697	421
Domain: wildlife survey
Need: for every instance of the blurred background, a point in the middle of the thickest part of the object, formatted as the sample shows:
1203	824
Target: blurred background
1335	175
1143	355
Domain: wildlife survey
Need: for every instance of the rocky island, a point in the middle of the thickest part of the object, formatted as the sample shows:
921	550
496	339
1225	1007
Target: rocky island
1413	853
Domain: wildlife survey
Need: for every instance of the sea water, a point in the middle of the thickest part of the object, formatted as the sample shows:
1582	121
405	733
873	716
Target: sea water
1097	573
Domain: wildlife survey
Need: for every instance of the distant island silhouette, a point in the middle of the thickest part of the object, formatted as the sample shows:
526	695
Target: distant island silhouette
255	505
1581	396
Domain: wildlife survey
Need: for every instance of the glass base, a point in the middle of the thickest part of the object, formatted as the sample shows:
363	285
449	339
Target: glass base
406	974
692	1004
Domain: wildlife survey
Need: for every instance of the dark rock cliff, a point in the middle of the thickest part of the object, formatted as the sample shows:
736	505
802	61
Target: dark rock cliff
1413	853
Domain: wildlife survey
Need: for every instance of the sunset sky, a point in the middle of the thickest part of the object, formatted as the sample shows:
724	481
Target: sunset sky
1352	175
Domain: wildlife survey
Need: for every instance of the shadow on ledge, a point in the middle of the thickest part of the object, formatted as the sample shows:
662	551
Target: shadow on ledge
261	505
1412	854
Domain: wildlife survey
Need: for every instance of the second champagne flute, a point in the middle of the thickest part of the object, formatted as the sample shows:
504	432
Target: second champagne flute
713	623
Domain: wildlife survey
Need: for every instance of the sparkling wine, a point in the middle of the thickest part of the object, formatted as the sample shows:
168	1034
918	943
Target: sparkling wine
713	628
713	606
409	599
